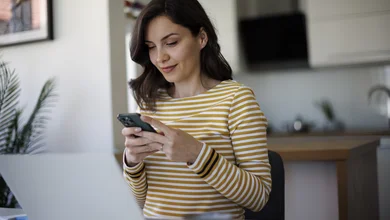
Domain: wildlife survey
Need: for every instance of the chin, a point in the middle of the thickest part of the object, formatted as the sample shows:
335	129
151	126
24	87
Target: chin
170	78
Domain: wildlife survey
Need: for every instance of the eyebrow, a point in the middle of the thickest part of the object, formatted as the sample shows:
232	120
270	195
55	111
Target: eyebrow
168	35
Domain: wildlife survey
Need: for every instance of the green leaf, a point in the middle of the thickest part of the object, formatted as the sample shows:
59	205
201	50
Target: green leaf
11	144
9	94
15	135
36	122
327	109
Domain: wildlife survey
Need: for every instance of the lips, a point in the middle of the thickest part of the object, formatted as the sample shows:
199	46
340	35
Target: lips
168	69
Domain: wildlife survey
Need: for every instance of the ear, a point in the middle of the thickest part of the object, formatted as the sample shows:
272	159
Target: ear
203	38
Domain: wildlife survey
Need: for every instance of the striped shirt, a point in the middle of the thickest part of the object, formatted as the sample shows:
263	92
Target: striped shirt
232	170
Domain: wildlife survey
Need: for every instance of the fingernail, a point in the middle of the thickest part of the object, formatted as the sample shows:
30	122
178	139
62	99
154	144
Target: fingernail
137	129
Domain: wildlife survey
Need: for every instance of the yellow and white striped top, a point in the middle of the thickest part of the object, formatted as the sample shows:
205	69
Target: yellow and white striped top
232	170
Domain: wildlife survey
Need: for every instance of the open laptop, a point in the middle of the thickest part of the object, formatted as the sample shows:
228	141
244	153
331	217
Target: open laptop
87	186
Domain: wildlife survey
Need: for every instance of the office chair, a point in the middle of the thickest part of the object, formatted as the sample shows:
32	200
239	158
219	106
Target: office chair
274	209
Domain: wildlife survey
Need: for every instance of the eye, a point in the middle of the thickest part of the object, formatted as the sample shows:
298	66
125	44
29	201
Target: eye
151	47
172	43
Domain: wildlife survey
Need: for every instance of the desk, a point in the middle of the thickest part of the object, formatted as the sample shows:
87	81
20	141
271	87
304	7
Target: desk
8	213
356	168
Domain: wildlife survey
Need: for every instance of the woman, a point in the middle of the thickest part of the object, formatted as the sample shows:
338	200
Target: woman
210	152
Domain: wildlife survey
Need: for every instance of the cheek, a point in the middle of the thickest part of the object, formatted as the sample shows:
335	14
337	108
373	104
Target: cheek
183	54
152	57
190	58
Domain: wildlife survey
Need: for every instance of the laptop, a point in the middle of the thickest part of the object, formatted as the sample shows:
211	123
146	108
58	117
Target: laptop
85	186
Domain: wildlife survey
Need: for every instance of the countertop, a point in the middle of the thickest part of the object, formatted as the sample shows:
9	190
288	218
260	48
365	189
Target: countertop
320	147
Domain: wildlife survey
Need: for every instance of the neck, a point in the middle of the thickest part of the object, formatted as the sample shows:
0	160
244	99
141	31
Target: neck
192	88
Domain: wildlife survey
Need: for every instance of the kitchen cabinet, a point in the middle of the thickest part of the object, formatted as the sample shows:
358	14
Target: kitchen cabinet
330	9
348	32
339	32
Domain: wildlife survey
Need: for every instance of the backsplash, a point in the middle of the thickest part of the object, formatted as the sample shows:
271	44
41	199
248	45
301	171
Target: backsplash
286	94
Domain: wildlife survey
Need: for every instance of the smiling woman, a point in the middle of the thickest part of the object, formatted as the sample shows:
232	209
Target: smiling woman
191	25
174	51
210	150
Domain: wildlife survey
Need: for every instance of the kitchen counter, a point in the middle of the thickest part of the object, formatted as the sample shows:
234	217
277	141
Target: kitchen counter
356	168
367	133
320	148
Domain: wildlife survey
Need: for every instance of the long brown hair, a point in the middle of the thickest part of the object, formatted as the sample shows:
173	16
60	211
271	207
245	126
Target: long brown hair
189	14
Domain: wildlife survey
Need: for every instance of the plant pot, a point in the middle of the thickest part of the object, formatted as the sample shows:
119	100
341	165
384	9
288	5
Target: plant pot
334	126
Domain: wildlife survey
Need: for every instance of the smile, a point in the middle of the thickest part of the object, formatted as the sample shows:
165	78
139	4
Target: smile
168	69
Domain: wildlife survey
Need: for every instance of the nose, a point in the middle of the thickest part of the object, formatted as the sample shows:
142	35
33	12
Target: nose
162	56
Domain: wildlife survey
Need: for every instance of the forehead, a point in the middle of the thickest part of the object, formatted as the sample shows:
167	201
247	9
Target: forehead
161	26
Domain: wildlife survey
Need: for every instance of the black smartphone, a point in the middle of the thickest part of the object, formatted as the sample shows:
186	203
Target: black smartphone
134	120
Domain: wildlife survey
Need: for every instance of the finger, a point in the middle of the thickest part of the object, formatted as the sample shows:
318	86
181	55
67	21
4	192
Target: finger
139	141
146	148
156	123
154	137
138	157
127	131
143	155
156	146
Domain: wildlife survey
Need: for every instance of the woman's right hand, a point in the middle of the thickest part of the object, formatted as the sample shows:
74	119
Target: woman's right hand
137	148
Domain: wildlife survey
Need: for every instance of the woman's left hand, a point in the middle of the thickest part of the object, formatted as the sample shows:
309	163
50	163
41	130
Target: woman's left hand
177	145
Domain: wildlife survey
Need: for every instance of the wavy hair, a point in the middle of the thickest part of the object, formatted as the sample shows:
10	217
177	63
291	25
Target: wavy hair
189	14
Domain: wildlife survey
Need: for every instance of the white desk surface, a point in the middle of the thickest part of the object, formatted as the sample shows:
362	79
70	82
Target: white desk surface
6	213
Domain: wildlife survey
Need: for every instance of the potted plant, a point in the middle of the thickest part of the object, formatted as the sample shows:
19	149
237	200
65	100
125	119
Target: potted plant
332	124
16	135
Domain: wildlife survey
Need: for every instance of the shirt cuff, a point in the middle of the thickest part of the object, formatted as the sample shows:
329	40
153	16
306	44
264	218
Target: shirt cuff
205	162
135	171
190	164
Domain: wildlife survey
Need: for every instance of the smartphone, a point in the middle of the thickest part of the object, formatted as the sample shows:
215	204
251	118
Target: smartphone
134	120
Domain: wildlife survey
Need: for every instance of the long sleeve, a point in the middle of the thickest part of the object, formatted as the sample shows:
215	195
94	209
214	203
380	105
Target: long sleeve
136	178
248	182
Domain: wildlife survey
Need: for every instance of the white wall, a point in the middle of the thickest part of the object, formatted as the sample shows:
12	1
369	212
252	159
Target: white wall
223	15
285	94
84	58
119	92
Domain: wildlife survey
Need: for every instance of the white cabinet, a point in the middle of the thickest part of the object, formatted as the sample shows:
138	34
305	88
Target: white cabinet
323	9
343	32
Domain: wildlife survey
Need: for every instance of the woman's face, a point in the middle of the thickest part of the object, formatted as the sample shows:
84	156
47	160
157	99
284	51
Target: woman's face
174	50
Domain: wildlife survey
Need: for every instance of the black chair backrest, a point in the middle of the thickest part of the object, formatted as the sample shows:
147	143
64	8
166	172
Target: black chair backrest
274	209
